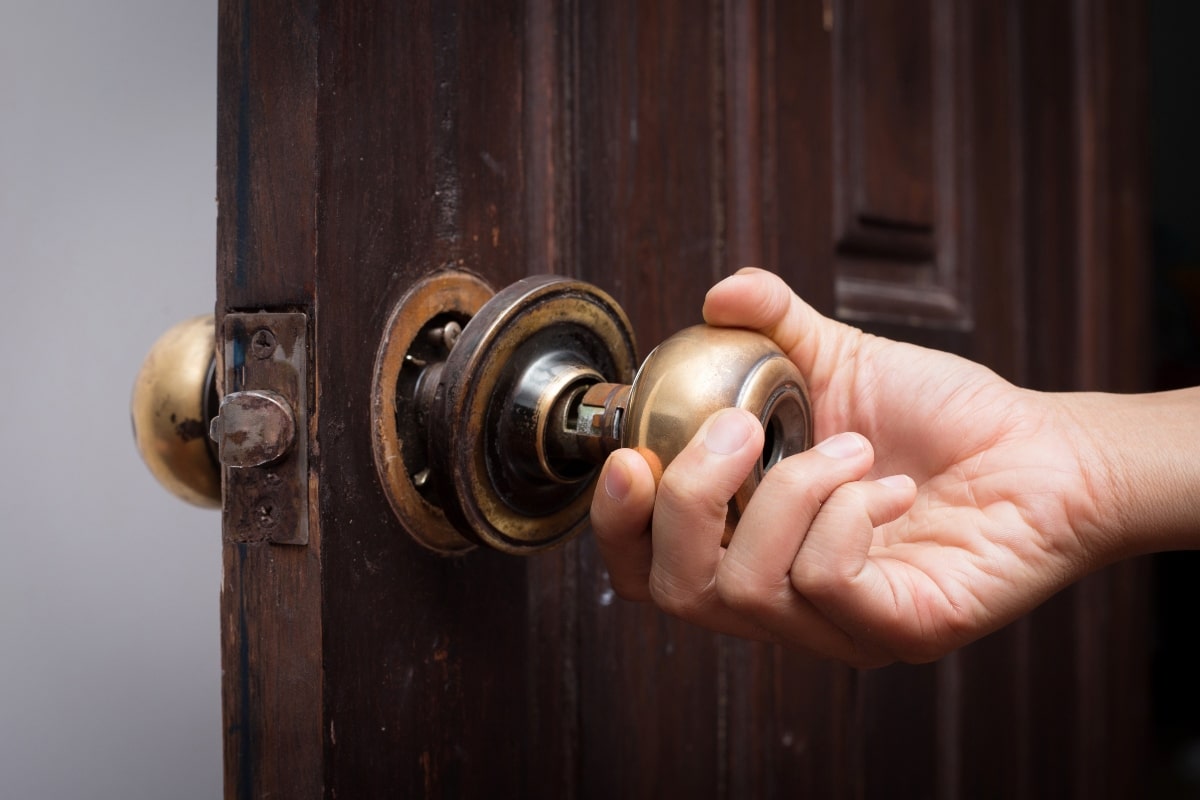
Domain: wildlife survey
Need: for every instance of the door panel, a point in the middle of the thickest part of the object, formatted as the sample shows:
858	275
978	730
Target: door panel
908	167
884	115
902	76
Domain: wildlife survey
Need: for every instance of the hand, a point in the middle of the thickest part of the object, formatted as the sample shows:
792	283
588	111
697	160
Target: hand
941	503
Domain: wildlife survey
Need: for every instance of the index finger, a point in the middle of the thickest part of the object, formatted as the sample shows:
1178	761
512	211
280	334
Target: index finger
621	510
691	509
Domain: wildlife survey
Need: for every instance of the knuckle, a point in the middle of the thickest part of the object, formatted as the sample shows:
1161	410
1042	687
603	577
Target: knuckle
792	475
815	578
812	483
741	589
691	494
674	597
771	303
847	500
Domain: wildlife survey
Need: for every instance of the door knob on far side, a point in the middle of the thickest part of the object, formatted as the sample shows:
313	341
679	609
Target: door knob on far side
174	400
251	440
493	413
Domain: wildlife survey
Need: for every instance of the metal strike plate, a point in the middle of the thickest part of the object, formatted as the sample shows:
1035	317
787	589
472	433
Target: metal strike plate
265	356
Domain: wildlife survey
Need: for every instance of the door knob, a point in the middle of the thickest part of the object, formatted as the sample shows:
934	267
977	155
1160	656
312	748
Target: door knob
195	441
491	413
174	398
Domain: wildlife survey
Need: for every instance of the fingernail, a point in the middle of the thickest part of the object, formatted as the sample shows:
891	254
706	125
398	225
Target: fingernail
728	432
897	481
843	445
617	480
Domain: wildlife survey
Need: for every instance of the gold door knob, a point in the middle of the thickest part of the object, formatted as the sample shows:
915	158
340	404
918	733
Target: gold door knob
492	413
174	400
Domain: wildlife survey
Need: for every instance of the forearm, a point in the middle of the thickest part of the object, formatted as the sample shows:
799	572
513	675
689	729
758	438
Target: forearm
1141	456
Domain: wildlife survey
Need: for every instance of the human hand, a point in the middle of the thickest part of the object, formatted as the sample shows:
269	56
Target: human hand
941	503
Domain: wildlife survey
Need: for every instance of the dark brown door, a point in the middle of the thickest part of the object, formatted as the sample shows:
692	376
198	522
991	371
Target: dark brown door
966	176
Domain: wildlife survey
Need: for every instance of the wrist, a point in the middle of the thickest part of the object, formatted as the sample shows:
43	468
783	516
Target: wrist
1139	456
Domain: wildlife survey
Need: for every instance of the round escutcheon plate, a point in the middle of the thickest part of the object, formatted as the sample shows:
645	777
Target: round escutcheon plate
490	492
413	341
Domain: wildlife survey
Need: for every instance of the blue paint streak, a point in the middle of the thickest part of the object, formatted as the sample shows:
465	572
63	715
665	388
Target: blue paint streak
239	357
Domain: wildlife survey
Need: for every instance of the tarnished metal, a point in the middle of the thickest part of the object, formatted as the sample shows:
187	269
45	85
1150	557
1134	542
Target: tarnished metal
253	429
423	327
539	411
494	409
492	414
171	407
699	371
262	427
591	422
686	379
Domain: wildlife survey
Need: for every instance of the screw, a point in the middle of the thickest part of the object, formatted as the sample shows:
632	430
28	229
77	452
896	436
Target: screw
263	344
446	335
265	516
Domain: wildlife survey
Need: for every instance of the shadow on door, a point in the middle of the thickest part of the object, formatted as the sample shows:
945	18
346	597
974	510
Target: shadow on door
1175	207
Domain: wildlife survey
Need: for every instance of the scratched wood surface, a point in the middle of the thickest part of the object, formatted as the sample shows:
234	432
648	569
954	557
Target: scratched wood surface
271	600
650	148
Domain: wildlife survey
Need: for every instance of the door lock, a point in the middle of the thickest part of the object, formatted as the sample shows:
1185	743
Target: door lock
491	413
253	441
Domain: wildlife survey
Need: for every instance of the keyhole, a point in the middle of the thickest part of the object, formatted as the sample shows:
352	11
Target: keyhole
773	439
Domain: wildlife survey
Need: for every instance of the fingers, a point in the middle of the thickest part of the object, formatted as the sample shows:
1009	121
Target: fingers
799	486
797	569
835	550
834	571
754	576
689	519
750	298
621	510
675	567
761	301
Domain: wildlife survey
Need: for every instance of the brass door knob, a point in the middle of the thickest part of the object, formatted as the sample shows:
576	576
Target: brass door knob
174	398
492	413
188	434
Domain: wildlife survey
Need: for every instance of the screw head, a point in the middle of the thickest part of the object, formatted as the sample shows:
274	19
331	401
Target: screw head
262	346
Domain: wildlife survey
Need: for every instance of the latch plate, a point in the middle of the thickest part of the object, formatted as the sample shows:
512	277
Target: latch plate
268	352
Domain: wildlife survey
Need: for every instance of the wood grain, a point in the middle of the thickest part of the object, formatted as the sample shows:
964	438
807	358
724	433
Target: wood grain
652	148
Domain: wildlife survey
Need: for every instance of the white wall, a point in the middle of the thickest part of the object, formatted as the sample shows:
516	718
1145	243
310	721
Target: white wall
109	629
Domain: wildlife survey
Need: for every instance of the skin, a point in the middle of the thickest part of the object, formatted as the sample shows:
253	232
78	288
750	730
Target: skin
941	502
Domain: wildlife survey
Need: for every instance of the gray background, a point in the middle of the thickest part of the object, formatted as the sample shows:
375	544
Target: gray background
109	628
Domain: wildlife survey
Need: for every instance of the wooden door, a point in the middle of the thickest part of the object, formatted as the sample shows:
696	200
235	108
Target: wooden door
965	176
